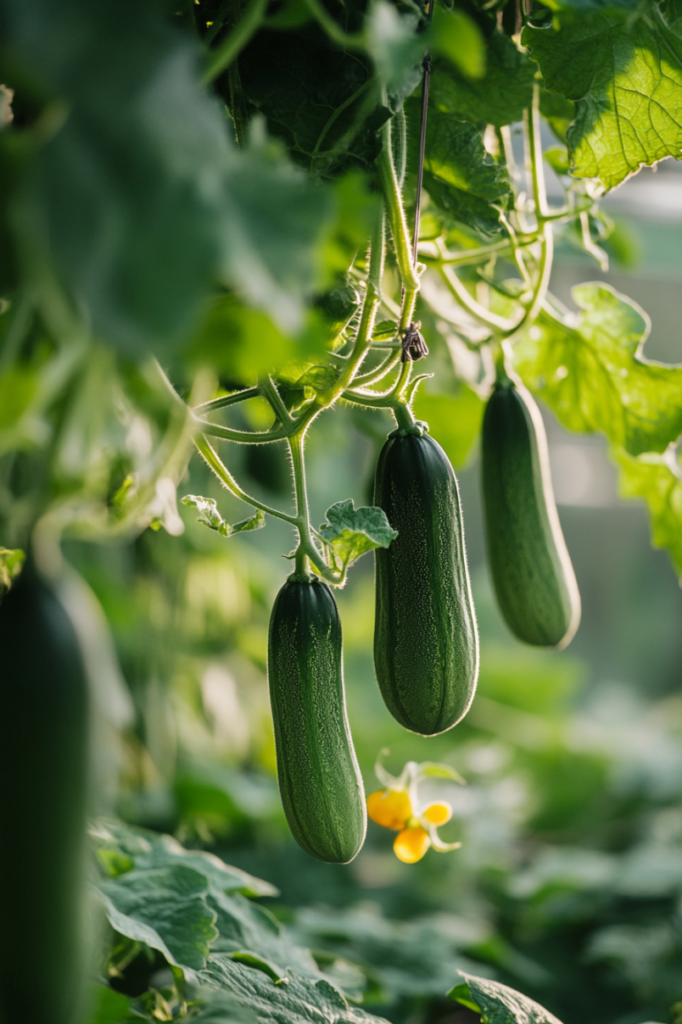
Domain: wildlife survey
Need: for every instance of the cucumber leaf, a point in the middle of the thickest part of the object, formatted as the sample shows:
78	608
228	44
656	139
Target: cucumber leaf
351	532
166	909
122	847
499	1004
301	1001
591	372
211	517
657	479
624	70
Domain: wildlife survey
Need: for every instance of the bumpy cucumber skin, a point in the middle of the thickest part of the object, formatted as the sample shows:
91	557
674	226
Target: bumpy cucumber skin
43	796
531	569
425	636
319	778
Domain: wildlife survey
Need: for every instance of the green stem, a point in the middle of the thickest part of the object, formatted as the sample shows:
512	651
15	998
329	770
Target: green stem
531	122
222	472
306	550
396	213
381	371
235	42
333	30
225	400
246	436
268	389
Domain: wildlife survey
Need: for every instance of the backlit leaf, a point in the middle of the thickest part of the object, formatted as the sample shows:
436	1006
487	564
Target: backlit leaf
624	70
591	372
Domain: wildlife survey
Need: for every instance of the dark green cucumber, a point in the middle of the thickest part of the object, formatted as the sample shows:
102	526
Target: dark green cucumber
319	778
425	636
43	793
531	569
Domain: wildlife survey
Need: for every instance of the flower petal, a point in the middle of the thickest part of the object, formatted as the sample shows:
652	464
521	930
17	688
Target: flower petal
411	844
389	807
438	814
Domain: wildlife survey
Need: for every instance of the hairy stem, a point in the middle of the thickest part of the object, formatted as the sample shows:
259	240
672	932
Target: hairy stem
215	463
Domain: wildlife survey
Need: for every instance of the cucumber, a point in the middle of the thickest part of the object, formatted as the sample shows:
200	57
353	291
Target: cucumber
318	774
532	573
43	796
425	636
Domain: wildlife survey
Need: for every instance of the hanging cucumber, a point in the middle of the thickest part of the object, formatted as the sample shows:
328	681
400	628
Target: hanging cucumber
531	569
318	773
43	791
425	636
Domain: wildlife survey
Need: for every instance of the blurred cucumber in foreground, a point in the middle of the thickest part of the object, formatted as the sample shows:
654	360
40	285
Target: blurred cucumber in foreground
318	773
44	749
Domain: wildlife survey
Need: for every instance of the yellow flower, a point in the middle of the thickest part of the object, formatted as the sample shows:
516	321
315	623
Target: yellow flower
397	807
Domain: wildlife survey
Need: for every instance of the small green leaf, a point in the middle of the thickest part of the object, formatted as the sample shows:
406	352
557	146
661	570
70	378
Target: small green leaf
351	532
211	517
385	330
11	561
591	372
499	1004
557	158
461	994
260	964
433	770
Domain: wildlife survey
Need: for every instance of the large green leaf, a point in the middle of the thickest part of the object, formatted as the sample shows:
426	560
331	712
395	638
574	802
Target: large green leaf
657	479
299	1001
121	847
499	1004
459	175
592	374
498	98
624	70
166	909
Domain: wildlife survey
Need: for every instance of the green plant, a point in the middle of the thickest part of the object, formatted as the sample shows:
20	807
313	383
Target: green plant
184	189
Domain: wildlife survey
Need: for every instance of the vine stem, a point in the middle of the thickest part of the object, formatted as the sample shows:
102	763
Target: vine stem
396	215
234	43
215	463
